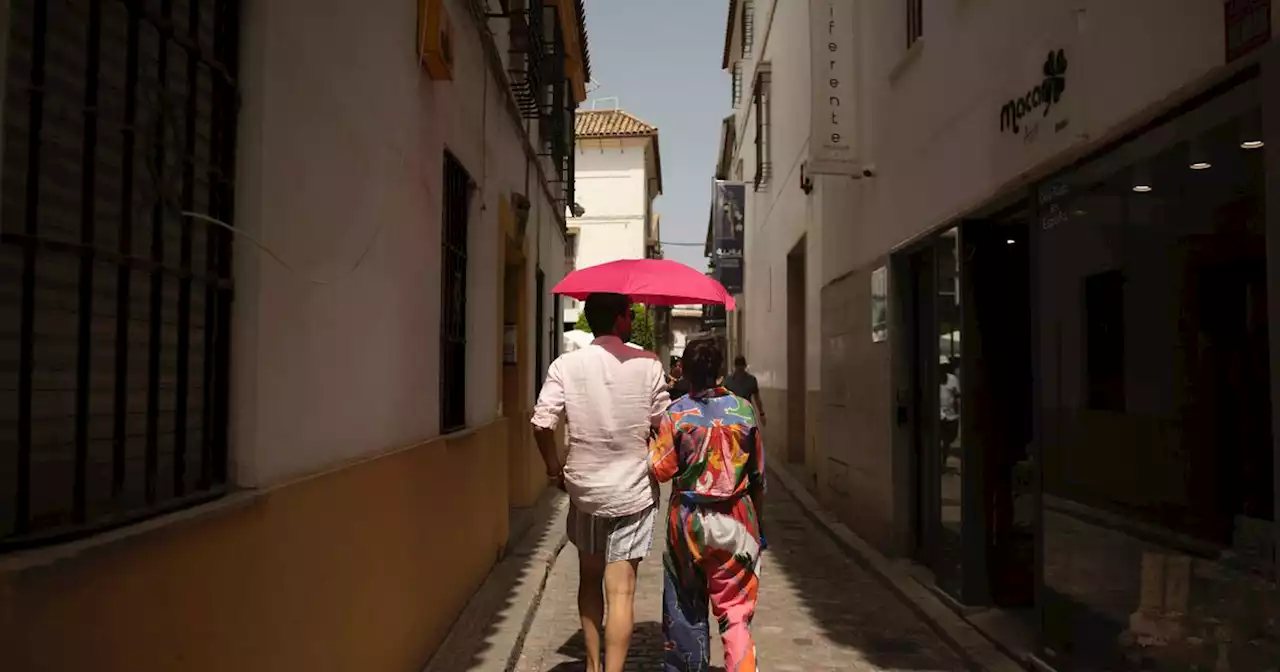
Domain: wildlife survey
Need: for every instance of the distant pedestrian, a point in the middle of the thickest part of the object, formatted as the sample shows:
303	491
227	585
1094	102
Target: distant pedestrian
949	408
743	384
677	385
614	396
709	447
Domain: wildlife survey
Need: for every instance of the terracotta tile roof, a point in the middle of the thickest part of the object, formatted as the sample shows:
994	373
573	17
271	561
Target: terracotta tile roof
610	124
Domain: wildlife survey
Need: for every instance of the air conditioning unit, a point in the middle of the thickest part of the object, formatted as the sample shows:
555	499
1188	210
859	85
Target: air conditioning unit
435	40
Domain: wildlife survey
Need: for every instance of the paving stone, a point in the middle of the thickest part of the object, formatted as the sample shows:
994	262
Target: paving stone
818	611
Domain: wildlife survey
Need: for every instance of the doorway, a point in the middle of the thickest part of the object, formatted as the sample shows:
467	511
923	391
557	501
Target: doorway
998	413
796	354
933	334
968	333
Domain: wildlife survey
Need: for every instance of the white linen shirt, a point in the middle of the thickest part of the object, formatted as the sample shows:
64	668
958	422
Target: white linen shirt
612	394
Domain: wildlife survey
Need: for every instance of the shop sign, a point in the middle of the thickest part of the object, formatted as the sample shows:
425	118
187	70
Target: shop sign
832	126
728	227
1248	26
1037	102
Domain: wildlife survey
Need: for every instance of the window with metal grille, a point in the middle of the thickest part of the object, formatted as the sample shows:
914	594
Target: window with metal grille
748	28
737	84
764	132
540	343
556	123
915	20
120	117
453	296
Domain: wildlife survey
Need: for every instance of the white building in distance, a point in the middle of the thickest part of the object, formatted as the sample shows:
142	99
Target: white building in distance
618	174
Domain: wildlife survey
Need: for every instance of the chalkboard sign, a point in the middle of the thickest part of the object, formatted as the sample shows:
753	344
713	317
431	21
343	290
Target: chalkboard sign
1051	205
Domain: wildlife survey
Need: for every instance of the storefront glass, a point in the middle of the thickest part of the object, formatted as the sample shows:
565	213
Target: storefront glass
1153	395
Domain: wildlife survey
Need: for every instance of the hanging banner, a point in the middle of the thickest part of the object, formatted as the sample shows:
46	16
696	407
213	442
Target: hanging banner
832	130
728	228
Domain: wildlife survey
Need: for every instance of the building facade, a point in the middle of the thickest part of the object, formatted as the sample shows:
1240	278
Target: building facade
1043	302
618	168
274	278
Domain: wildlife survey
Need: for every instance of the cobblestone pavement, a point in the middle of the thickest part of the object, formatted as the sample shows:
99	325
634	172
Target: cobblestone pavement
818	611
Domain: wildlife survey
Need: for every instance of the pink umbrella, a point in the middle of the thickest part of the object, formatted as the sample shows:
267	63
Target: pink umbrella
658	282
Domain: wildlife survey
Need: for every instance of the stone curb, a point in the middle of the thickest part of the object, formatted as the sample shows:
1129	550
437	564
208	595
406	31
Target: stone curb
978	651
489	633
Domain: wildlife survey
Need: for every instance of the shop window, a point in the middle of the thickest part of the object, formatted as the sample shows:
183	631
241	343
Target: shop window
1154	398
1104	340
453	296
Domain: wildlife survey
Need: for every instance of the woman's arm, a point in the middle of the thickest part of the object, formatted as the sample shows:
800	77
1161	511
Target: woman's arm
664	459
756	475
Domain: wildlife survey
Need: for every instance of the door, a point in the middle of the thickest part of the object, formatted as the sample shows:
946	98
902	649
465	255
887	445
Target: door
934	335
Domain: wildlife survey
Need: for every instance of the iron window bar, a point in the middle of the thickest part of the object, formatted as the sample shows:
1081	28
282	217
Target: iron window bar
144	128
915	21
453	295
527	48
764	166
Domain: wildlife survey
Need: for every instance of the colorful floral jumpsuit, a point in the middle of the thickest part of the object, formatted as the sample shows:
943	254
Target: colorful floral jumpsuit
708	445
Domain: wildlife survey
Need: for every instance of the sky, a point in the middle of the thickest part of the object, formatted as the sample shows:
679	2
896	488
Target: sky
661	60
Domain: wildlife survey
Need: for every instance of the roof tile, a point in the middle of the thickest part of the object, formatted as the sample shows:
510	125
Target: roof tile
610	124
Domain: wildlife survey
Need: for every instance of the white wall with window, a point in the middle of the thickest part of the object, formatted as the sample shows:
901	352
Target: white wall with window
617	177
336	357
771	142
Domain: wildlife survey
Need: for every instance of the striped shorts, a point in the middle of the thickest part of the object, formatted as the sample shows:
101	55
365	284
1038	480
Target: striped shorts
623	538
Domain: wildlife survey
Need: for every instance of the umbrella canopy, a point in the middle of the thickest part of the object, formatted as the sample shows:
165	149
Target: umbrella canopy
658	282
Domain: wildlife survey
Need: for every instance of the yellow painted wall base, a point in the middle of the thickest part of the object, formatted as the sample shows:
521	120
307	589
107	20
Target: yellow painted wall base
359	569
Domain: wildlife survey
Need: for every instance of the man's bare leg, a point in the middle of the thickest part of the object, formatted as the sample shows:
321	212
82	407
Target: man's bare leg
591	575
620	586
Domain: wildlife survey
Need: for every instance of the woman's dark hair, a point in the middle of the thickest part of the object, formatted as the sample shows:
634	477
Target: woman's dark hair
702	363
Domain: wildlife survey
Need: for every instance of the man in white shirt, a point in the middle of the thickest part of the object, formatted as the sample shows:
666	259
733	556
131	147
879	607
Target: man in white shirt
613	394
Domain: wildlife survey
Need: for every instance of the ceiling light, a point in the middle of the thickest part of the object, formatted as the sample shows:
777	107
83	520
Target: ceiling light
1010	241
1251	130
1141	179
1197	154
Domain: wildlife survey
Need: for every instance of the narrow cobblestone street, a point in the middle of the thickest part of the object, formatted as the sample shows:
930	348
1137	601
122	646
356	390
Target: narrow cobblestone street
818	611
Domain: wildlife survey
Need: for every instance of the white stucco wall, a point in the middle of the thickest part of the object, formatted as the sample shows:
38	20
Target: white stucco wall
780	215
339	150
931	118
929	125
610	183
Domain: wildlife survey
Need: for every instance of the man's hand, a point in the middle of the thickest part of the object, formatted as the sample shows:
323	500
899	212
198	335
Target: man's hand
557	478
